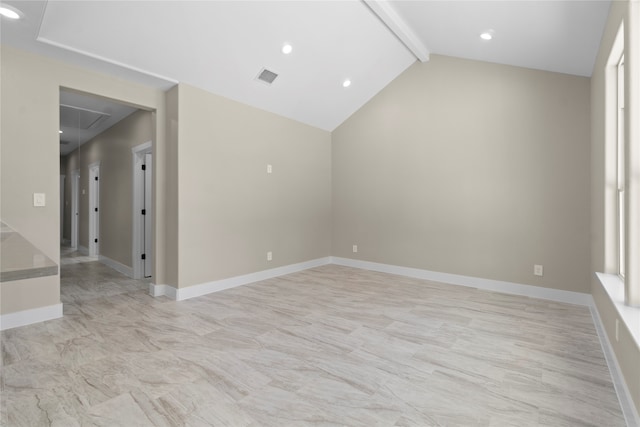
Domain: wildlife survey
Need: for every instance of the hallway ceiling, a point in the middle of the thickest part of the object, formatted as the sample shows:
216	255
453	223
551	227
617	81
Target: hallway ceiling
222	46
83	117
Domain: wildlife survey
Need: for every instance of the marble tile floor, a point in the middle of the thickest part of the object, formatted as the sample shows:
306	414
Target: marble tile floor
69	255
331	346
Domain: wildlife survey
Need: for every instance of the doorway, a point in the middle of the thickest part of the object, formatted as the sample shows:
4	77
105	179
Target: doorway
97	136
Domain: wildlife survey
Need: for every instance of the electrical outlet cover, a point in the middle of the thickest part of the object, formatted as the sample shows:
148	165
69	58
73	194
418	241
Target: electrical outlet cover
538	270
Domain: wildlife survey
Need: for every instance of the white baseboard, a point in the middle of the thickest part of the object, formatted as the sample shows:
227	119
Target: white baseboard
569	297
163	290
232	282
624	396
117	266
28	317
83	250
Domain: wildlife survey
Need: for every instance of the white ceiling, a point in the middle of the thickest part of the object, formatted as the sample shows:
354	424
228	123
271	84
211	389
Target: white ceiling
552	35
221	46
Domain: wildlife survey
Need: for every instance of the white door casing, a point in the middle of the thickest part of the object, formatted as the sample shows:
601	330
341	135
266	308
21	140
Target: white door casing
75	184
94	209
148	230
62	178
142	200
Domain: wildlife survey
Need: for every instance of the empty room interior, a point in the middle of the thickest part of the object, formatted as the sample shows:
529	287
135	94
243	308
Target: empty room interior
291	213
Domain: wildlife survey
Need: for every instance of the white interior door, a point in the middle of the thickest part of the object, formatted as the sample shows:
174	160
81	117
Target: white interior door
75	184
148	232
94	211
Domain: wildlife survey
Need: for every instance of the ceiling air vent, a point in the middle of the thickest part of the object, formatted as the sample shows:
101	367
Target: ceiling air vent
267	76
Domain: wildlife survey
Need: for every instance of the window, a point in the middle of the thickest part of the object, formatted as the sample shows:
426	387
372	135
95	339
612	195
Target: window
621	277
620	169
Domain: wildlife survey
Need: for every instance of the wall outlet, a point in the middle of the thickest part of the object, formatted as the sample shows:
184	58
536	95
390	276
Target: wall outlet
38	199
538	270
269	256
269	169
355	248
617	329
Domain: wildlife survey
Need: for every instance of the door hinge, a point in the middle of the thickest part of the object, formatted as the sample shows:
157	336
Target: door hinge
144	256
144	211
96	240
96	209
144	167
96	178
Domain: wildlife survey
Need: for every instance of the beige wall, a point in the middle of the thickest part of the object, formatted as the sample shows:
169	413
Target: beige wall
19	295
626	349
231	212
112	149
29	117
469	168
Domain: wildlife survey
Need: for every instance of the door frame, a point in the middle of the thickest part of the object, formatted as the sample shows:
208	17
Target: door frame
138	232
94	203
148	218
62	179
75	194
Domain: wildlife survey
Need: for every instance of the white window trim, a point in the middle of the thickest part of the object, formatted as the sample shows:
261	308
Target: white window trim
621	225
630	316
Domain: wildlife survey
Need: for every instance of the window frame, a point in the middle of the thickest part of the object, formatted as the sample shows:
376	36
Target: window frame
621	227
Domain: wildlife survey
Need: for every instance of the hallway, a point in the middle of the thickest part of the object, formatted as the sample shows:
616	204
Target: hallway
83	278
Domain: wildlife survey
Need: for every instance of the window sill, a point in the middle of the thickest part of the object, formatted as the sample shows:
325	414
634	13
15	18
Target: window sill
614	287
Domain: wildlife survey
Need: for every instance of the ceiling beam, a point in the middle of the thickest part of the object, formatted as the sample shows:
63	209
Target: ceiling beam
397	25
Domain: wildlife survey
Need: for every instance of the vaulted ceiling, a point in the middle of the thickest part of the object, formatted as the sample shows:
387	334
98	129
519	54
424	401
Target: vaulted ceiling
222	46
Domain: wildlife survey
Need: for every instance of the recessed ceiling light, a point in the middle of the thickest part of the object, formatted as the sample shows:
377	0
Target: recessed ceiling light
9	12
346	83
487	35
287	48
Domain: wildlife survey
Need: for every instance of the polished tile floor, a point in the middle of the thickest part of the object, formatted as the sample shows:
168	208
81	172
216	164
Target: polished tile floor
331	346
69	255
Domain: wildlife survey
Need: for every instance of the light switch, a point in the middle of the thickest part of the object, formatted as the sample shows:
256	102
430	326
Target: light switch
269	169
38	199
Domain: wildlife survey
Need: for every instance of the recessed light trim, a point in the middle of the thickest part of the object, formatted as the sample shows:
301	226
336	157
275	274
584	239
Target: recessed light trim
287	49
9	12
487	35
346	83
